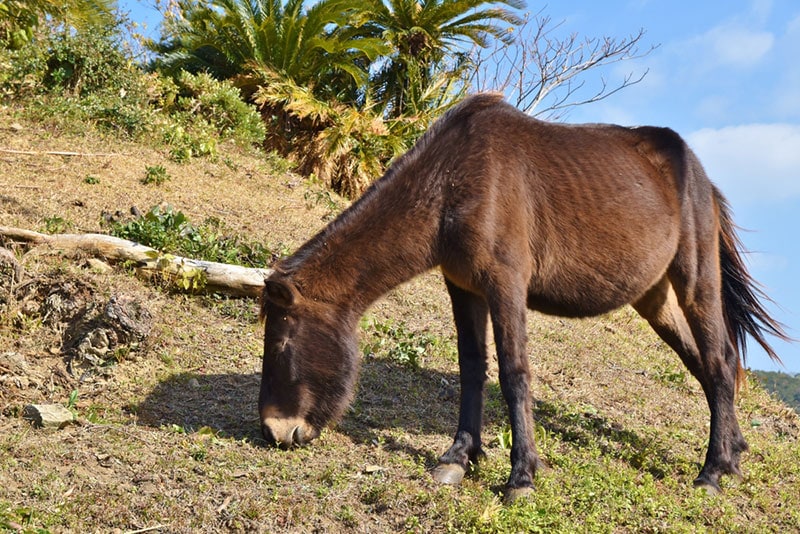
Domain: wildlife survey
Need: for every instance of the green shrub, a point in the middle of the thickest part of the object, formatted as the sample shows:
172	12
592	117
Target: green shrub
161	228
70	79
202	110
76	78
169	231
56	225
21	71
17	24
194	140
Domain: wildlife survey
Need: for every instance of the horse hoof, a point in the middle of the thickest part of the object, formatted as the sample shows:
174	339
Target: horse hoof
709	488
513	495
451	474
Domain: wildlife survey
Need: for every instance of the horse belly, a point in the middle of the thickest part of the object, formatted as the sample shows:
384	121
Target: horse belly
583	297
590	272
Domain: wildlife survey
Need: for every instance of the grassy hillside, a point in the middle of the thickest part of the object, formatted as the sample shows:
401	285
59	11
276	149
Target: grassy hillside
167	435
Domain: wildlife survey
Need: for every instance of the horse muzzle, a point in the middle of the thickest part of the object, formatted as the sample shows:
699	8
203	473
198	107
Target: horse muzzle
287	432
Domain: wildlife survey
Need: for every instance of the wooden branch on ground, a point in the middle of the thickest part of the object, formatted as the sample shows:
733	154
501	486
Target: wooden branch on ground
234	280
59	153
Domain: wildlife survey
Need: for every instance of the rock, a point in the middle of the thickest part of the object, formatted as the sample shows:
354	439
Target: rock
13	362
373	469
49	415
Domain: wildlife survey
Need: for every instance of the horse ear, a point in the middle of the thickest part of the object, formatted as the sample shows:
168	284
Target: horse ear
281	292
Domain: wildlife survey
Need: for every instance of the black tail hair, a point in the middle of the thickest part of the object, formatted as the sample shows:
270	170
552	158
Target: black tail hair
742	296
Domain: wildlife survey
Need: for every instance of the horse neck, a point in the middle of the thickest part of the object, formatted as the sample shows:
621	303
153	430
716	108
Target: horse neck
386	238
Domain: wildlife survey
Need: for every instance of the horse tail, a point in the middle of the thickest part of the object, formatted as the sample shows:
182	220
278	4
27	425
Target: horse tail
742	296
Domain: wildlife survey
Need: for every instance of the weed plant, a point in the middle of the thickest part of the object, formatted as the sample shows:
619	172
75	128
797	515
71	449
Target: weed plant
155	174
394	340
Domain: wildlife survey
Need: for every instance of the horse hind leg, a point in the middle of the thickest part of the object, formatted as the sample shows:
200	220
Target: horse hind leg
659	306
720	367
694	329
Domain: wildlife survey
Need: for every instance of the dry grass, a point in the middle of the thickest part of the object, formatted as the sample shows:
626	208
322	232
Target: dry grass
168	437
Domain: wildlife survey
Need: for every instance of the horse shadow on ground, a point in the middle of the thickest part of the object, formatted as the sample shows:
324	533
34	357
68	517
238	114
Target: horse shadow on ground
592	430
390	396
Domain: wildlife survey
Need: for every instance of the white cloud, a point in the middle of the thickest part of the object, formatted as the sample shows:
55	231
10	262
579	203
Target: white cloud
754	163
760	10
734	45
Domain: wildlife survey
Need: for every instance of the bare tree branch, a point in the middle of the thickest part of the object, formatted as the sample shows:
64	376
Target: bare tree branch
543	74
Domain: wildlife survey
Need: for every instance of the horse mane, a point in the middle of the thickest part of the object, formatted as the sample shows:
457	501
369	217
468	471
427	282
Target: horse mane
458	114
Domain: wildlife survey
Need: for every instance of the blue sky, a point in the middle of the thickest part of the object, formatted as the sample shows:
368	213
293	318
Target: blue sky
726	77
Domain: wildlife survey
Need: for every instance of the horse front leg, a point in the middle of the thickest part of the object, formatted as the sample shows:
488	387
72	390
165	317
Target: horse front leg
508	319
470	313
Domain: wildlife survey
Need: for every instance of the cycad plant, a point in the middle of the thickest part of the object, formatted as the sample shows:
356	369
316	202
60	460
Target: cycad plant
250	39
343	86
428	39
349	146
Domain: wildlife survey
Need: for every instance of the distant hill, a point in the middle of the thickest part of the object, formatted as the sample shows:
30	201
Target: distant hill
784	385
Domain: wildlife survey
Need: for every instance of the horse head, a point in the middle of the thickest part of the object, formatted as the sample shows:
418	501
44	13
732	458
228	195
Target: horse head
310	364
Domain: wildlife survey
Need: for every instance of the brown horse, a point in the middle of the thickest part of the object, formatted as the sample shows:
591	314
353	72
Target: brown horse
518	213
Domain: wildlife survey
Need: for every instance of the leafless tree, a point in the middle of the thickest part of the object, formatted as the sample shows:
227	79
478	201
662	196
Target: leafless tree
542	73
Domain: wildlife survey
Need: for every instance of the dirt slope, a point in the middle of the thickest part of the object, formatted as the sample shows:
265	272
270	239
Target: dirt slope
167	433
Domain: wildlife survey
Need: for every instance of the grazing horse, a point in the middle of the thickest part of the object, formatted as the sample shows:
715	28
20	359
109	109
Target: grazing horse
573	220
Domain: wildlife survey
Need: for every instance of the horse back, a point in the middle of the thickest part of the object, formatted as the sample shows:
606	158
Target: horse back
590	215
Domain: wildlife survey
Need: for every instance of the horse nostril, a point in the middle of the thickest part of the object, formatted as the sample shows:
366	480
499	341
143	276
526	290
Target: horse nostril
297	436
267	433
287	432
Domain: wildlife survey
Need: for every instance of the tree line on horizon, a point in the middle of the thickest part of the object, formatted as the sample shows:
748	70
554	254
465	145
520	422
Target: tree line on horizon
785	386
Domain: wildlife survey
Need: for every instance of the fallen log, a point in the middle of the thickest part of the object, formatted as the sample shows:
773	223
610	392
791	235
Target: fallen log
197	275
